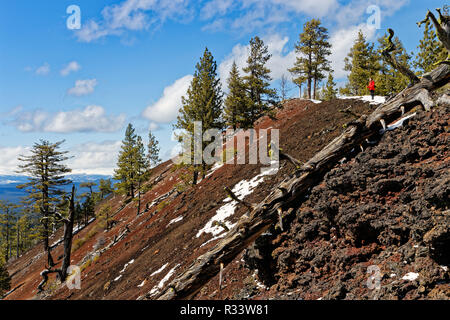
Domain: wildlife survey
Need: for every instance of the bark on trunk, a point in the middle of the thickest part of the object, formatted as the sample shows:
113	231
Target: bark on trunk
68	235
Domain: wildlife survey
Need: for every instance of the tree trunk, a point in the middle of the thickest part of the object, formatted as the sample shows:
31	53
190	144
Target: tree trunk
68	235
288	193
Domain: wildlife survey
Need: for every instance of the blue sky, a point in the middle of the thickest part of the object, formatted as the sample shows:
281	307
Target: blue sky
132	60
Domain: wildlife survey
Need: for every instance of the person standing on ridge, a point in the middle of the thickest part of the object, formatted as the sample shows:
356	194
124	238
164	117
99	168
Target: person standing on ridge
371	88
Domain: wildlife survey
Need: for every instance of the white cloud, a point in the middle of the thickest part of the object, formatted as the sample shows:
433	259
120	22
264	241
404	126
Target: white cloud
9	159
249	15
341	41
71	67
166	109
89	119
43	70
87	158
83	87
94	158
280	61
133	15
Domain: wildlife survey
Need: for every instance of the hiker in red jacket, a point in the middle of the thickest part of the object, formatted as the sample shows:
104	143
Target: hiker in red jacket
371	88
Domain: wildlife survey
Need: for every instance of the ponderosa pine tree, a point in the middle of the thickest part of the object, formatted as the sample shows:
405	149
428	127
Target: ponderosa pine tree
313	49
141	169
46	171
430	52
125	172
202	103
261	98
363	63
330	91
236	100
152	151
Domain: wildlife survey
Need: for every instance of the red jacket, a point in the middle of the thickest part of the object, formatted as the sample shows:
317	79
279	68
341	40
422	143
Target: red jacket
371	86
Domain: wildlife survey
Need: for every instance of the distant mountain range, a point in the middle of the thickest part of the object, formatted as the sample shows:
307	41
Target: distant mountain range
9	183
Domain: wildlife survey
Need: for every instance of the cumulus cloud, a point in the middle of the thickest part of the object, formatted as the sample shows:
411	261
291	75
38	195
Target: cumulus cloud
83	87
281	59
166	109
89	119
94	157
341	41
43	70
8	159
71	67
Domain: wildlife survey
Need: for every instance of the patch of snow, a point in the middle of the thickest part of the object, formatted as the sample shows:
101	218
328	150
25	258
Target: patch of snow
411	276
163	281
376	100
175	220
216	167
159	270
393	275
445	268
241	190
126	265
118	278
397	124
142	284
315	101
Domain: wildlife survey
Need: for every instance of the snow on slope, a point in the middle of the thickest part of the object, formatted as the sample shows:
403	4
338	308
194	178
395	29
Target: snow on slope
241	190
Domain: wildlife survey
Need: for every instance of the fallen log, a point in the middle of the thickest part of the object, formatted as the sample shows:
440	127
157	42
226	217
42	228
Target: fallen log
286	195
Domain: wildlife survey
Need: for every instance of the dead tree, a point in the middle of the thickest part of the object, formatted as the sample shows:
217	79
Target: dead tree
392	60
68	236
442	29
287	194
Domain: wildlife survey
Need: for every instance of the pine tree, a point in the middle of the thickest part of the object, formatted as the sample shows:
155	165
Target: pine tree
46	169
152	150
390	81
257	84
105	188
203	103
313	49
431	50
88	209
125	172
104	215
5	280
330	91
7	223
141	169
363	64
236	100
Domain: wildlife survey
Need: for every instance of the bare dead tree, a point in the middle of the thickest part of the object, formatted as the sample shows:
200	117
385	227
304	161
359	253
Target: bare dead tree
68	236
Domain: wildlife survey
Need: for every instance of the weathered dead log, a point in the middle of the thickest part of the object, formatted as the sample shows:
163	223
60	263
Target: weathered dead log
286	195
